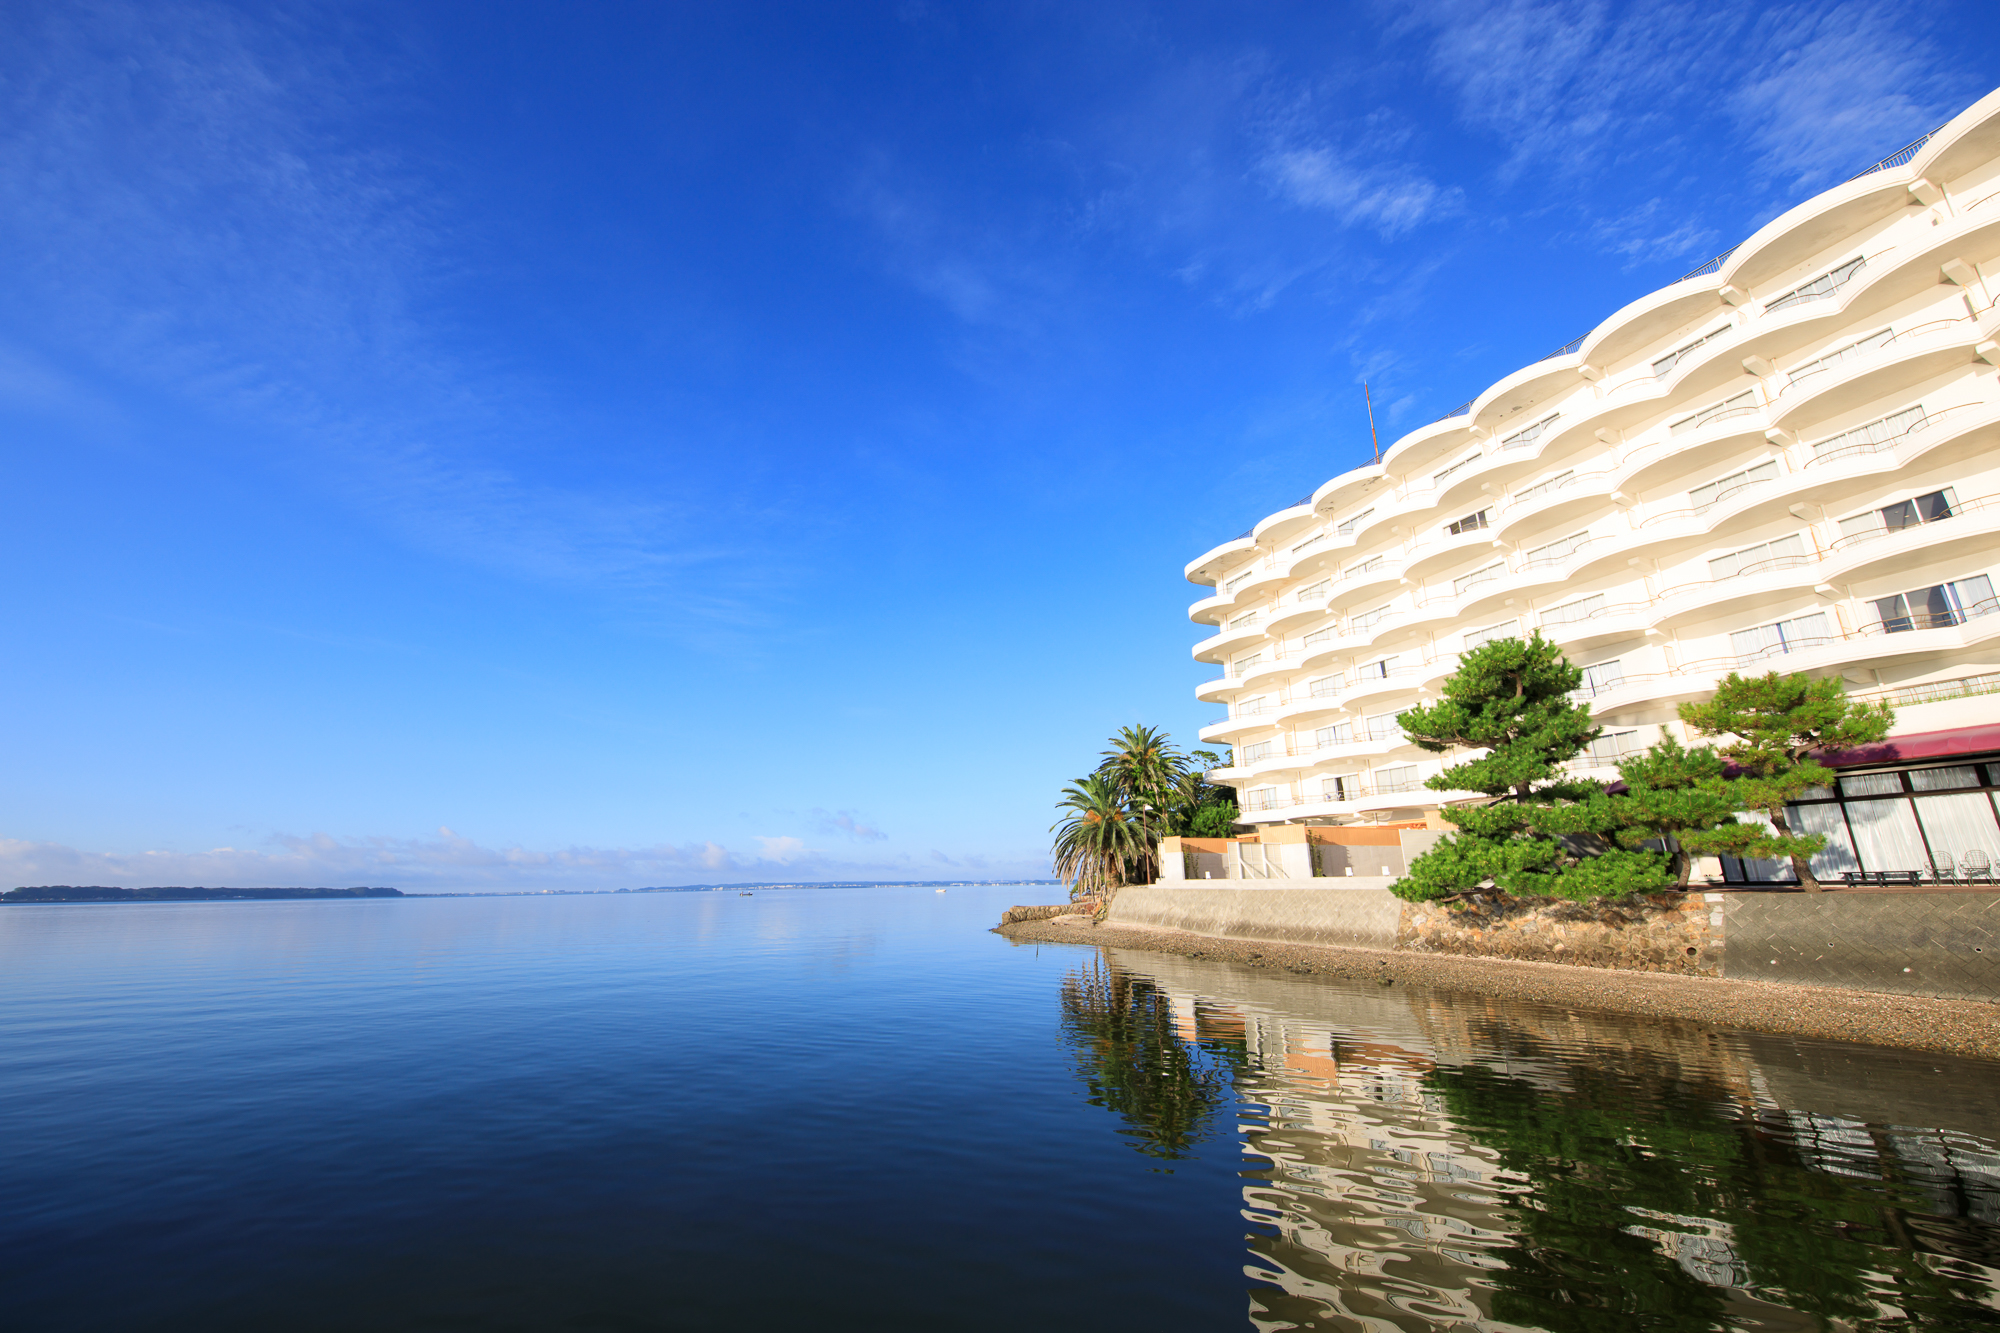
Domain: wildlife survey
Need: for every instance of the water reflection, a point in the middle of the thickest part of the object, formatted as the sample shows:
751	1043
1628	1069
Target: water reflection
1426	1161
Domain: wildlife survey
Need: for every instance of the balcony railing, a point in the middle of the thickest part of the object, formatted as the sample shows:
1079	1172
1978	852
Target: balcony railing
1898	158
1886	445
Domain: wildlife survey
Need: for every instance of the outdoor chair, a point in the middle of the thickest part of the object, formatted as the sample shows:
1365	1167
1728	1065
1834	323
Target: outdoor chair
1941	868
1975	866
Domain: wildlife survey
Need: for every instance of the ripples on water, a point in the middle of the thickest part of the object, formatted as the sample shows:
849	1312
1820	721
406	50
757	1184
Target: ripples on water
857	1109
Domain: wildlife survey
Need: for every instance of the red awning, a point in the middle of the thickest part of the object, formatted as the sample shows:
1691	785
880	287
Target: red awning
1919	745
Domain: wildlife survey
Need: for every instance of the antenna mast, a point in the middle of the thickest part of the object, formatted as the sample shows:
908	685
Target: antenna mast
1373	439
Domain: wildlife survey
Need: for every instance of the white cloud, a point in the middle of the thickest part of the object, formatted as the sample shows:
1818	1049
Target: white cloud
844	822
1392	200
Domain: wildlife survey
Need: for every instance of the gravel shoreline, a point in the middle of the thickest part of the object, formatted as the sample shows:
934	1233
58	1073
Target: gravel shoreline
1955	1027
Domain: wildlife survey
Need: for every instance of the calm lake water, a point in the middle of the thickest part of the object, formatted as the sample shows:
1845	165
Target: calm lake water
858	1109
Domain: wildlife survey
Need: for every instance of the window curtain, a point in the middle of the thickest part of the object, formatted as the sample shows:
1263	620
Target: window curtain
1959	824
1837	857
1885	835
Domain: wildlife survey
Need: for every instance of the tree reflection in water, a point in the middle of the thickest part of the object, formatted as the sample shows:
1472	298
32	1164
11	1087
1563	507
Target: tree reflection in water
1129	1052
1445	1163
1654	1200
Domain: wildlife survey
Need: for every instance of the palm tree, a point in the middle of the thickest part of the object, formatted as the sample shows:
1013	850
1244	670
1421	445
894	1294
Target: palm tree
1148	772
1097	837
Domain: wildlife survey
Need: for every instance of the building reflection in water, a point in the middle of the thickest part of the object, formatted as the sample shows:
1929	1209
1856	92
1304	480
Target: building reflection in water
1434	1161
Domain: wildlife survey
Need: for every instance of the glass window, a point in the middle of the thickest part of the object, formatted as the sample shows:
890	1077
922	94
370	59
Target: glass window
1316	591
1347	529
1784	636
1252	753
1321	636
1871	784
1837	857
1243	664
1672	359
1380	669
1384	727
1939	606
1472	457
1583	608
1781	553
1371	564
1461	586
1401	777
1873	436
1340	788
1326	685
1470	523
1560	482
1944	779
1505	629
1955	825
1340	733
1521	439
1367	620
1834	358
1729	407
1723	487
1557	551
1825	285
1603	676
1309	542
1885	833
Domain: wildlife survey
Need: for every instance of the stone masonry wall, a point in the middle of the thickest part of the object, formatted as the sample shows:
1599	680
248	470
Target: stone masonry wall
1666	932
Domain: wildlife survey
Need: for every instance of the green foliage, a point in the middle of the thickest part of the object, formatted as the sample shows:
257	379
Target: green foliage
1129	1053
1776	723
1510	697
1673	793
1213	821
1097	838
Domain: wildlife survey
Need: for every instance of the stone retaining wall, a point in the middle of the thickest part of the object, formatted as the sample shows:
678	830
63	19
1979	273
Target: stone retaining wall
1937	944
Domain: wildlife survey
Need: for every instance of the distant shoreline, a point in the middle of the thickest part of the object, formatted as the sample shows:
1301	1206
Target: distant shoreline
98	893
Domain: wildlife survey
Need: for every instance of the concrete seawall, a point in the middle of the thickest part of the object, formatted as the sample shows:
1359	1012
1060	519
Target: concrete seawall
1945	945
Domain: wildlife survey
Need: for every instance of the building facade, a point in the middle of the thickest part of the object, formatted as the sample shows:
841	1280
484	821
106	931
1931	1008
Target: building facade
1789	459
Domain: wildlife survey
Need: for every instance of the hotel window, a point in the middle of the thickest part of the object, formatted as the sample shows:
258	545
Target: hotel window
1825	285
1583	608
1936	607
1381	668
1255	707
1470	523
1521	439
1910	513
1728	407
1384	727
1555	552
1246	620
1834	358
1506	629
1466	583
1470	458
1340	733
1243	664
1780	637
1780	553
1252	753
1873	436
1237	581
1666	363
1316	592
1347	529
1612	746
1401	777
1343	788
1262	798
1368	566
1326	685
1931	820
1310	542
1320	636
1601	677
1707	497
1367	620
1562	481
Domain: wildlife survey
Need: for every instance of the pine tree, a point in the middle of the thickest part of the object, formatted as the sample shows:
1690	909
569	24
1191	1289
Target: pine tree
1510	697
1778	723
1671	792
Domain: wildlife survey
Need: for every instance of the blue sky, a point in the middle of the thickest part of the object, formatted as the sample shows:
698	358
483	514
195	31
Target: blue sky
505	445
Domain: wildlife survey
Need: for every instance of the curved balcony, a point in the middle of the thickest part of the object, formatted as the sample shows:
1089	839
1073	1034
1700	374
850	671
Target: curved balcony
1573	502
1900	365
1442	550
1210	610
1608	623
1274	530
1796	235
1305	708
1658	462
1401	679
1969	431
1207	567
1226	643
1972	528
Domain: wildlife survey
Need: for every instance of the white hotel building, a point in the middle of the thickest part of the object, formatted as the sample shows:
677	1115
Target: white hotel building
1789	459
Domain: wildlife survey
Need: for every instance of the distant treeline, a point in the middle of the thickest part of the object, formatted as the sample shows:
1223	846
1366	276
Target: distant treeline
97	893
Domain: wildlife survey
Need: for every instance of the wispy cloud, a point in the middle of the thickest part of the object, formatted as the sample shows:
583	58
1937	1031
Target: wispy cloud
1390	200
449	860
184	207
843	821
1834	78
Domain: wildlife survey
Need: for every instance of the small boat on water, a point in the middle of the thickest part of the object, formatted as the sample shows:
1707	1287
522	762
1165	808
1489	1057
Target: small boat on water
746	895
940	890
